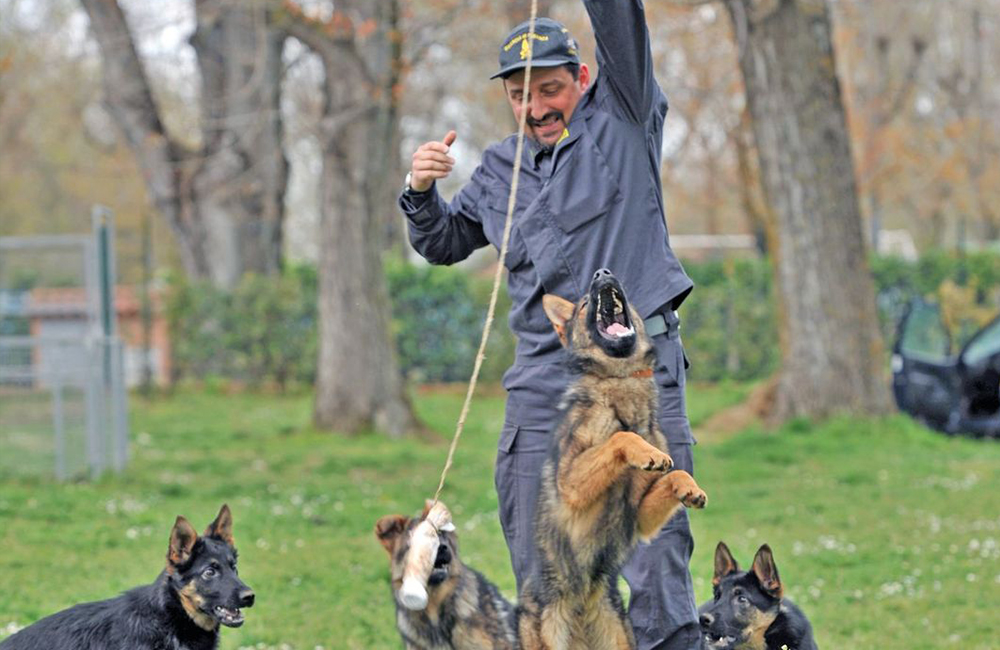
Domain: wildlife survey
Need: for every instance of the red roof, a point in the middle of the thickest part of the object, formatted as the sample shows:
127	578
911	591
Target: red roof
72	301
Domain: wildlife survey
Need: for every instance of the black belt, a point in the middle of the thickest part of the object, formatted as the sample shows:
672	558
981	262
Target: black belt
663	323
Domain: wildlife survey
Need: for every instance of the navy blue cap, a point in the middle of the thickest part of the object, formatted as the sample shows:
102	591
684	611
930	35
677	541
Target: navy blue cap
551	46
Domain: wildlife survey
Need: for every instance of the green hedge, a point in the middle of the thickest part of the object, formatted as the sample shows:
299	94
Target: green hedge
728	322
264	332
438	314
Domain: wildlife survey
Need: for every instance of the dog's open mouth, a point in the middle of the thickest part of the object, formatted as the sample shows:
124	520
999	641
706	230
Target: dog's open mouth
721	642
441	563
229	617
613	322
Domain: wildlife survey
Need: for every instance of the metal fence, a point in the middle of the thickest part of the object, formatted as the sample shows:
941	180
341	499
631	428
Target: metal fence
63	410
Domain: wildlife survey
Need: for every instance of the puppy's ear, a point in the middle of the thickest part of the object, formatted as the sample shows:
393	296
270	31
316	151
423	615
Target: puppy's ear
725	564
182	540
388	528
559	311
767	572
222	527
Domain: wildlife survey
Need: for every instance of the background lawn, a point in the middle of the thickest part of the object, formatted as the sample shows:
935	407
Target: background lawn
888	535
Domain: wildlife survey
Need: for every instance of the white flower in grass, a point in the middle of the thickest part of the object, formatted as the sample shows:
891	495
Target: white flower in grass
10	628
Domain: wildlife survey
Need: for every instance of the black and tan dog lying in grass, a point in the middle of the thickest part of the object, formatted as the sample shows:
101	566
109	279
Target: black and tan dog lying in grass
606	485
748	610
462	611
197	592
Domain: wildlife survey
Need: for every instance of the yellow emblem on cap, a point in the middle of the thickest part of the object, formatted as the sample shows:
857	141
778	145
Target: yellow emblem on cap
525	49
520	38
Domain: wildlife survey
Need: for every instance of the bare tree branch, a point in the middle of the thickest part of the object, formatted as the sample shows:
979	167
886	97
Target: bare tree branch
331	39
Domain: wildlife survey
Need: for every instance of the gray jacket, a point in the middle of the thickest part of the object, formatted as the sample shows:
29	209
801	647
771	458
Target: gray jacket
597	203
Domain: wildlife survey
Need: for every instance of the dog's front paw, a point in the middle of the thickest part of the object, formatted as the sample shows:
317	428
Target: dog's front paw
687	491
651	460
639	454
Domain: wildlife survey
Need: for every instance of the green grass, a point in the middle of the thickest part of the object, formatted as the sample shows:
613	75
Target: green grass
888	535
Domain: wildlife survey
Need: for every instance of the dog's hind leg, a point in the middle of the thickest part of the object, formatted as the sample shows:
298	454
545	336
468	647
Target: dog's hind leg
664	498
611	631
583	478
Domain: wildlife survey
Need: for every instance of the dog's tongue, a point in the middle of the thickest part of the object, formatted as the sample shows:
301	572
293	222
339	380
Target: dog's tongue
617	329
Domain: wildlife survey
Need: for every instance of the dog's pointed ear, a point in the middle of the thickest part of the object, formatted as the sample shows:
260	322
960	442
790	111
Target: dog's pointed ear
388	528
767	572
222	527
182	539
725	564
559	311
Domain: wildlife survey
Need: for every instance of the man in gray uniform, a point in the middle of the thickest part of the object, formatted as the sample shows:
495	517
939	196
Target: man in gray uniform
589	197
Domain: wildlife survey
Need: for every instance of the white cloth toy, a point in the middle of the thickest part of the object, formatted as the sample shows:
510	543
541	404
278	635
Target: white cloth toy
424	542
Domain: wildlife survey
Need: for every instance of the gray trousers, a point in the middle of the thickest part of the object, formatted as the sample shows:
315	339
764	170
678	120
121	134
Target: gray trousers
662	605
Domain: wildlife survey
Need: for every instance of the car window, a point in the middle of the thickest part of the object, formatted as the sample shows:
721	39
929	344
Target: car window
924	335
985	345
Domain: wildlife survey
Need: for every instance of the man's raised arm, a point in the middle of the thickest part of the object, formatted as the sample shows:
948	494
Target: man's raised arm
624	58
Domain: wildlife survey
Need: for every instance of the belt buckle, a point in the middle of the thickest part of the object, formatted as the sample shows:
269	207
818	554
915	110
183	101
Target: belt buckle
663	323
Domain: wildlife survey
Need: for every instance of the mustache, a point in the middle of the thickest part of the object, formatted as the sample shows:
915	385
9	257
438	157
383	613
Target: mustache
533	122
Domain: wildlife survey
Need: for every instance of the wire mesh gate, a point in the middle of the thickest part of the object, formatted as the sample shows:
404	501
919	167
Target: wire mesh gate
63	409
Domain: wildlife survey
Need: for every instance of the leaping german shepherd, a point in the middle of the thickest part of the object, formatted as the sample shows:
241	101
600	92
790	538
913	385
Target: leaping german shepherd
182	610
607	484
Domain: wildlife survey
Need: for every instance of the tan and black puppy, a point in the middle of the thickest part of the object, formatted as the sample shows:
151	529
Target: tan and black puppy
607	484
464	611
748	610
198	590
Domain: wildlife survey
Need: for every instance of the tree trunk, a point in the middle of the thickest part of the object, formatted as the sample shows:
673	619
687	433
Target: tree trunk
223	201
358	383
240	178
832	349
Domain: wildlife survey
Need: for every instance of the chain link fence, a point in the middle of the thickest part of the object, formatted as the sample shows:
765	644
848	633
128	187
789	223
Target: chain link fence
63	410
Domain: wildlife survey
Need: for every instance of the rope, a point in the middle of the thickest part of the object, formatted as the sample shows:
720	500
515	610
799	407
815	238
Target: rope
503	256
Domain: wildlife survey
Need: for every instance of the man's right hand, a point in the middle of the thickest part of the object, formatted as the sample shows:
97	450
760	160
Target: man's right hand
431	162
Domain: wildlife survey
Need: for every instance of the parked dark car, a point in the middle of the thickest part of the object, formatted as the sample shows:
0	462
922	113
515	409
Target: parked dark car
950	381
